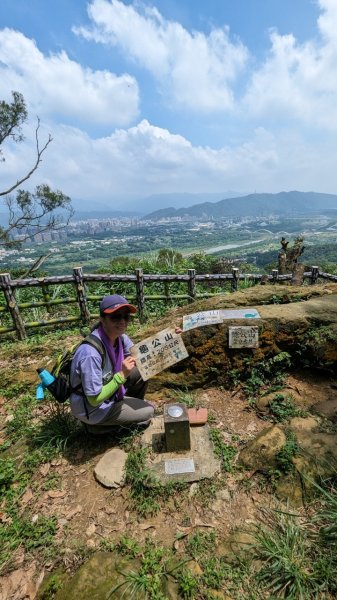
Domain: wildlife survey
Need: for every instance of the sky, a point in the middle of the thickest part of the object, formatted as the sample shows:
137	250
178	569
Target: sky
151	97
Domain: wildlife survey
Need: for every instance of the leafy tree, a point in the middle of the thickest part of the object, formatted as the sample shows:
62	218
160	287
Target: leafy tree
29	212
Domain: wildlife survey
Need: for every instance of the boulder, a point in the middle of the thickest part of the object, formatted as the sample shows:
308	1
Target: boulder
282	328
260	454
109	471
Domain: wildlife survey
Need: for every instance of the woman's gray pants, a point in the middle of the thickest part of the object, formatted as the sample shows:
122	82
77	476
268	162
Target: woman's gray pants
133	409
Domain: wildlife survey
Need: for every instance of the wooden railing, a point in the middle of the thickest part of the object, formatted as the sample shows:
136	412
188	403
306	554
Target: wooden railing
82	297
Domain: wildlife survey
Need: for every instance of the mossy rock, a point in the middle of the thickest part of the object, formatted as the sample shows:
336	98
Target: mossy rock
305	328
103	572
260	454
97	577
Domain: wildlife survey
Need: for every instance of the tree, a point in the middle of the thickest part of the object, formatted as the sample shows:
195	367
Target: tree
29	212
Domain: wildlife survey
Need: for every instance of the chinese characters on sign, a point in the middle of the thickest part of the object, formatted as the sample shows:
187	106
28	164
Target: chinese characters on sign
243	337
212	317
154	354
209	317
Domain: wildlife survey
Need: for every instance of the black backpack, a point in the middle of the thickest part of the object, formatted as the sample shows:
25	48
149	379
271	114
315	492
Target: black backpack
60	388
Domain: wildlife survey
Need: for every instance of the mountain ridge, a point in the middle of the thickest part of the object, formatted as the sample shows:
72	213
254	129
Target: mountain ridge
253	205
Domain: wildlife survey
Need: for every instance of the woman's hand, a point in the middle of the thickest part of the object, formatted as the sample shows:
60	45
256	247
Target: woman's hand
178	330
128	364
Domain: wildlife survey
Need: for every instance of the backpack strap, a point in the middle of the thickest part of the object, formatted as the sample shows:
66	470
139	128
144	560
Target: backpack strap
96	343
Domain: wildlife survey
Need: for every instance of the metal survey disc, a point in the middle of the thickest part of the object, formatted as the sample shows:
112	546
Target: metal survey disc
175	411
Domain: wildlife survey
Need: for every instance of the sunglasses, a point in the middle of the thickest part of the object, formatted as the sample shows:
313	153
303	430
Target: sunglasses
118	316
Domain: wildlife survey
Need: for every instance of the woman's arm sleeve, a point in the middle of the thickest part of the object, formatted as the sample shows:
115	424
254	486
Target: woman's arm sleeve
107	390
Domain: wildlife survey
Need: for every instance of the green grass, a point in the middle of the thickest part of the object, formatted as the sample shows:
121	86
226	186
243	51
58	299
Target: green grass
185	397
292	566
21	531
146	492
156	567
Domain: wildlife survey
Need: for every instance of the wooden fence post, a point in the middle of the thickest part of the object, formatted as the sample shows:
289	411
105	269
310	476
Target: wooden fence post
81	296
314	275
140	294
235	274
46	296
5	282
274	274
191	285
167	292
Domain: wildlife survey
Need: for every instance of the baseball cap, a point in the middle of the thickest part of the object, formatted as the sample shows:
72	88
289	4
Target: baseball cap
110	304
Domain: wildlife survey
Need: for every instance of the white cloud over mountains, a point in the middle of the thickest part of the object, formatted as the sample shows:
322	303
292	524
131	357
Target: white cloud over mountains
286	115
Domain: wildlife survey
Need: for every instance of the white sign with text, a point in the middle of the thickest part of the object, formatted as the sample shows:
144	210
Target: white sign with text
208	317
243	337
156	353
213	317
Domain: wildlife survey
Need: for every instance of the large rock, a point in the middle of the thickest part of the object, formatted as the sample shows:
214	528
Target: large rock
96	578
327	408
261	452
109	471
103	572
309	315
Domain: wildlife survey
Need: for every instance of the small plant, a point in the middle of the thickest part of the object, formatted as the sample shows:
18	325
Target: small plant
200	543
149	582
282	408
52	587
270	372
286	454
145	490
326	518
128	547
185	397
58	430
188	584
222	450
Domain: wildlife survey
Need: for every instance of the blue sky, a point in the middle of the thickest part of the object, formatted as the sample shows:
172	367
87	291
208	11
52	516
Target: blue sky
162	96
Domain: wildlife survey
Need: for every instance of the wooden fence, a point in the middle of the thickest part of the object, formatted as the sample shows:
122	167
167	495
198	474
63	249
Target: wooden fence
79	280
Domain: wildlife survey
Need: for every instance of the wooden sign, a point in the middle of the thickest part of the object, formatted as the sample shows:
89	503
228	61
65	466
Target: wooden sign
156	353
243	337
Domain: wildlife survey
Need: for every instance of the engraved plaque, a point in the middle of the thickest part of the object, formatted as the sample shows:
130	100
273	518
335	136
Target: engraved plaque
243	337
179	465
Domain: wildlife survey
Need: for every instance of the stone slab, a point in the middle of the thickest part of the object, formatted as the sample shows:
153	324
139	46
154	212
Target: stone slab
206	464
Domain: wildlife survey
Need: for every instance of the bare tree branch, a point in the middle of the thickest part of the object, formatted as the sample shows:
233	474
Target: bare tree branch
39	152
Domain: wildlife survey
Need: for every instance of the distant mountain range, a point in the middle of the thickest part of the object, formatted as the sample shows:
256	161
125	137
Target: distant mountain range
253	205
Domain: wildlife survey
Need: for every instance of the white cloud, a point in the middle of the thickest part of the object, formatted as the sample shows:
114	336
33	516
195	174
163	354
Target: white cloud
142	160
298	81
193	69
56	84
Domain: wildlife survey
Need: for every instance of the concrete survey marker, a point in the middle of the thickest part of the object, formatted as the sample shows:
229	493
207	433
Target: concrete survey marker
197	463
